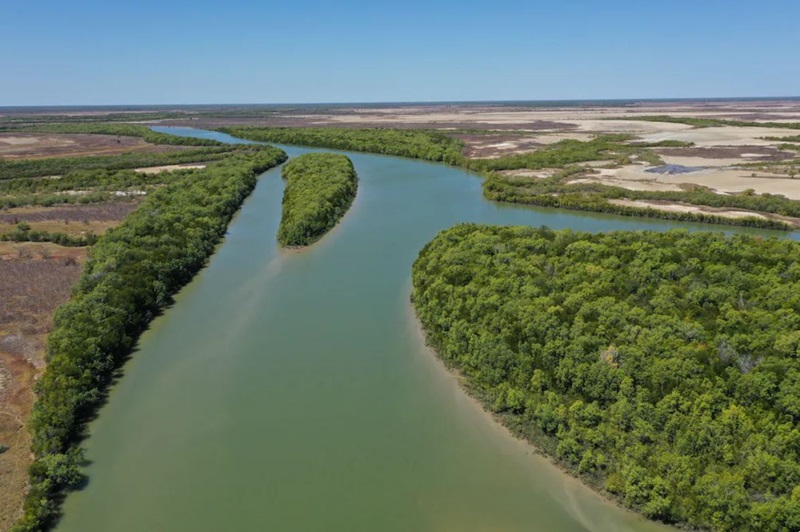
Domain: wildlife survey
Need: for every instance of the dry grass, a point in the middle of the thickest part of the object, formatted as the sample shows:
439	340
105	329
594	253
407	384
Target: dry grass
73	220
40	145
37	278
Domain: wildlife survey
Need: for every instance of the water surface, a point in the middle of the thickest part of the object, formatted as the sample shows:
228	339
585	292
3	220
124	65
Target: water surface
291	391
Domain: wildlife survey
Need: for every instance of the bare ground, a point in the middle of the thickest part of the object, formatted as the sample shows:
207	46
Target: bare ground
106	212
723	180
36	279
170	167
40	145
685	207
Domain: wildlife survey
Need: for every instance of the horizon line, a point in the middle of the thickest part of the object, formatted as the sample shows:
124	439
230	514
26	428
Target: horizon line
413	102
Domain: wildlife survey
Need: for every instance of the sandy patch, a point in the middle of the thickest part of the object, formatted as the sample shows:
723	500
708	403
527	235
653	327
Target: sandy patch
168	168
633	127
722	180
682	207
18	141
537	174
721	136
630	177
702	161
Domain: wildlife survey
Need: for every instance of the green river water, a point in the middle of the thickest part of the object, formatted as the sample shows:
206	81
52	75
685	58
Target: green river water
291	391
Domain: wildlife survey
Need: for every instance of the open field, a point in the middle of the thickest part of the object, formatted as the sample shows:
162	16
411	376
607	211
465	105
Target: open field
75	220
493	131
37	145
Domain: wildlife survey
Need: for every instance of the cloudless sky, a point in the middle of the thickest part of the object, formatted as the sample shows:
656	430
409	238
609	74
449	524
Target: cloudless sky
64	52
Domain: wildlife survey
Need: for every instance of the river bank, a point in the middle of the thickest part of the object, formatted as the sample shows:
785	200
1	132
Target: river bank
281	382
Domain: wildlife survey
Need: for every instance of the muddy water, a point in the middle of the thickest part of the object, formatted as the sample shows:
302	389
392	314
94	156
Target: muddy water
291	391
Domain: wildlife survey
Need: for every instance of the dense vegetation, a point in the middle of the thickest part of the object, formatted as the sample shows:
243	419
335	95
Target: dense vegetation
125	130
663	367
10	169
413	143
130	275
320	187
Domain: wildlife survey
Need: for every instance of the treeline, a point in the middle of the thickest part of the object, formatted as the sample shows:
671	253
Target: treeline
85	180
440	147
10	169
16	121
709	122
595	198
62	239
793	138
48	200
413	143
320	187
661	367
131	274
124	130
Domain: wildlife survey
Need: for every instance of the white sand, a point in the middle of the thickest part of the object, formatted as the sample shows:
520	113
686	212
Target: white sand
703	161
723	180
168	168
680	207
19	141
538	174
722	136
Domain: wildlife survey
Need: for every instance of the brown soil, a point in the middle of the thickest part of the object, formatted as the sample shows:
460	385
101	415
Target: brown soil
74	220
750	153
490	146
102	212
36	279
40	145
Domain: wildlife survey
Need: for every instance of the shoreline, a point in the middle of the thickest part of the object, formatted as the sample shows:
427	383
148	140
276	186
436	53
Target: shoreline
527	447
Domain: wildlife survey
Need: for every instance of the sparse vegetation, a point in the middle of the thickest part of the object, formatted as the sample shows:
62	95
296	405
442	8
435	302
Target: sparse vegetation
711	122
10	169
555	192
126	130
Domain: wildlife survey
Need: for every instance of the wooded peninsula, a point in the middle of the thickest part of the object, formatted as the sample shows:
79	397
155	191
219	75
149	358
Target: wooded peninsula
660	367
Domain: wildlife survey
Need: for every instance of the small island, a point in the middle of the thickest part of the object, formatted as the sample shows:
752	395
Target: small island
320	187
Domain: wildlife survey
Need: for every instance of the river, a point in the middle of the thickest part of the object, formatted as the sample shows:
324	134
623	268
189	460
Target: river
291	390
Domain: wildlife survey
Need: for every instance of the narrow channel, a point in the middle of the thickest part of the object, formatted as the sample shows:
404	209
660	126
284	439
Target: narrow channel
291	391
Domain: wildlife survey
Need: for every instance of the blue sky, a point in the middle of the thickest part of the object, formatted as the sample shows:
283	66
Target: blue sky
169	52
